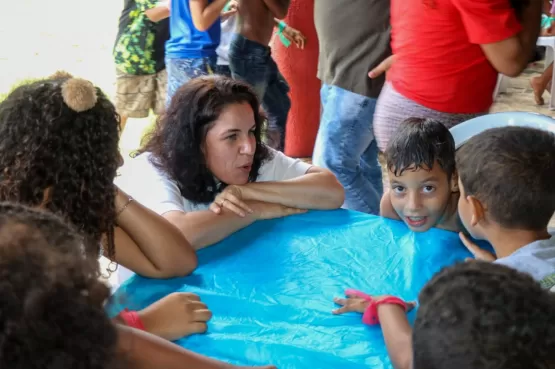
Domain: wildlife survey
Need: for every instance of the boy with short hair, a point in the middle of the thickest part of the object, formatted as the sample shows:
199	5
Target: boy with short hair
507	184
423	189
475	315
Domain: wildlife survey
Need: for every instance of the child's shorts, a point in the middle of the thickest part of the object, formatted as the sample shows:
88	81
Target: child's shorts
136	95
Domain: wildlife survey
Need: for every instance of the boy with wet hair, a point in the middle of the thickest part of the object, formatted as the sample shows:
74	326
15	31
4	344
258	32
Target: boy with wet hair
422	177
475	315
507	185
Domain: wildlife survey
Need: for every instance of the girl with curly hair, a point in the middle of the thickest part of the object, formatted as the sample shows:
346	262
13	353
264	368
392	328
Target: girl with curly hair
205	169
59	152
52	313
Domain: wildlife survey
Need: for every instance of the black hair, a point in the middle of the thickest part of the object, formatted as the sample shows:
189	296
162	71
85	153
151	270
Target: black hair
519	6
64	160
511	170
420	143
479	315
51	316
176	142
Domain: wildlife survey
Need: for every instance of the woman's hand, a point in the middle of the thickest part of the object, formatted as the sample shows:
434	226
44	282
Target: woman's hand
382	68
231	198
175	316
267	210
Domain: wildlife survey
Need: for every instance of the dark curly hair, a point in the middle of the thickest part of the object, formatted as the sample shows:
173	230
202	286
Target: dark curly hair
176	142
479	315
61	159
51	316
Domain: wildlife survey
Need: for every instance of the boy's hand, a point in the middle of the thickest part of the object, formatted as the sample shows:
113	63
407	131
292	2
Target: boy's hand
359	305
479	254
295	36
175	316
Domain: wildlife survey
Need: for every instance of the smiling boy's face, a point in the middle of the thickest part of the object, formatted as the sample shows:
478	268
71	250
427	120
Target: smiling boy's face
421	196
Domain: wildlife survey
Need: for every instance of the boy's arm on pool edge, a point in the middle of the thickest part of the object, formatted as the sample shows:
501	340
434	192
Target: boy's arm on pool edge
386	209
397	334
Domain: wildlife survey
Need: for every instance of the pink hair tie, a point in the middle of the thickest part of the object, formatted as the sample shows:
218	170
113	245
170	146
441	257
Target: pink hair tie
131	318
370	315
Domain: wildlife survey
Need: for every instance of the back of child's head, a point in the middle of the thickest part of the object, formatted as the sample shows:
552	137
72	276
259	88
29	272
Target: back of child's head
480	315
510	170
51	315
59	136
419	144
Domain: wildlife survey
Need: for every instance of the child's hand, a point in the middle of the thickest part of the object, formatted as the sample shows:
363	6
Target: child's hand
354	303
351	304
175	316
479	254
295	36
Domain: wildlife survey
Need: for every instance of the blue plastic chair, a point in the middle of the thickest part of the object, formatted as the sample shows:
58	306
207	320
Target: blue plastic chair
464	131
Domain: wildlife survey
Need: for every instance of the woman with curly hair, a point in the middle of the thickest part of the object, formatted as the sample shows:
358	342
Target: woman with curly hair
59	152
52	313
205	169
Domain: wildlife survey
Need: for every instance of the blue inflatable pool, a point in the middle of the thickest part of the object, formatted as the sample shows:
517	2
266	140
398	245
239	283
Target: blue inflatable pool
271	288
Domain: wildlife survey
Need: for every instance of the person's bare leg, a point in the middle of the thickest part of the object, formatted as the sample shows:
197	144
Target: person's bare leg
540	84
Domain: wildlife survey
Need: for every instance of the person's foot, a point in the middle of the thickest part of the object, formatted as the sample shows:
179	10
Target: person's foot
538	88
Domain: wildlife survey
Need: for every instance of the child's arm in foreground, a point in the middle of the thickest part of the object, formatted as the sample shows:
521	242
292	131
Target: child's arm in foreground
386	209
142	350
397	334
205	13
395	326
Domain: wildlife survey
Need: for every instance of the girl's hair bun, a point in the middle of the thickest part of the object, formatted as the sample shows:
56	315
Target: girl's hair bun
79	94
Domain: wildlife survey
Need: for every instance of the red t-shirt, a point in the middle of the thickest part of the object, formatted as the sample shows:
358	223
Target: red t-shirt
440	63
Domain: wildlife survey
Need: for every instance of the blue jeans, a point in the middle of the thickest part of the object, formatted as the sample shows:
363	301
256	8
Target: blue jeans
181	71
252	62
345	145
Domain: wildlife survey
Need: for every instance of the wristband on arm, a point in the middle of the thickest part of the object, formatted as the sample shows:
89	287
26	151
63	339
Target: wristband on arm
281	27
131	319
370	315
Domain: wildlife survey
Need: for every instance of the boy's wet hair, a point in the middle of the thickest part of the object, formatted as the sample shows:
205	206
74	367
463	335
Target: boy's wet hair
511	170
479	315
52	315
419	144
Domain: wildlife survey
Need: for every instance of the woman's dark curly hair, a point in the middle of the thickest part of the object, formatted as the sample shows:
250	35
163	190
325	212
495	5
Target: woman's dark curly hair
51	316
176	142
63	159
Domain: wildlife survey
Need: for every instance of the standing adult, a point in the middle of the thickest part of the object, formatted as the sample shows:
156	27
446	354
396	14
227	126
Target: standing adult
250	60
354	38
448	54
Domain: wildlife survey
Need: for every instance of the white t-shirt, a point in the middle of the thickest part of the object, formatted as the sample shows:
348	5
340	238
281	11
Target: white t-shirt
228	28
152	188
536	259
